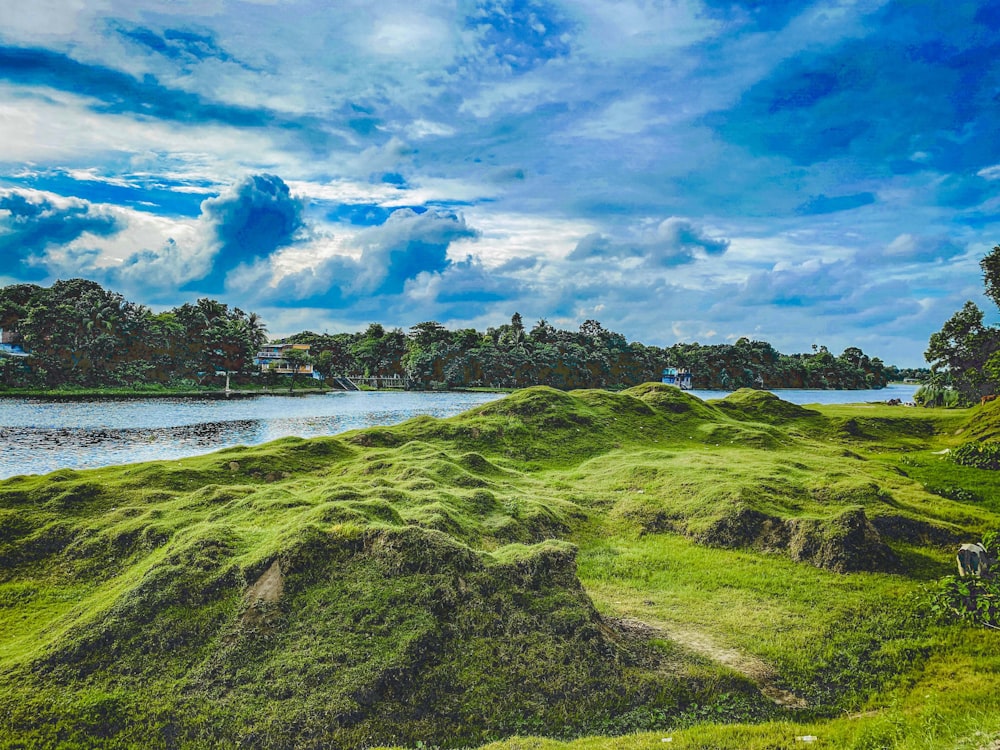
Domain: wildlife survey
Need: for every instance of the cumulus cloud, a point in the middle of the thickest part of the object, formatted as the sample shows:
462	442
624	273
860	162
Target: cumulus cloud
246	224
250	221
31	222
407	244
672	242
376	263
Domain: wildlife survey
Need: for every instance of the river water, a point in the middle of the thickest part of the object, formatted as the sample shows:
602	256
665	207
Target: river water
38	436
815	396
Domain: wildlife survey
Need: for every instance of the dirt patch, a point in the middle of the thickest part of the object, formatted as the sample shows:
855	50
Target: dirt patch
269	587
845	543
756	670
262	613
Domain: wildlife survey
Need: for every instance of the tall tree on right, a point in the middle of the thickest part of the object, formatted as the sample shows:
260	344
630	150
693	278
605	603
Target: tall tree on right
965	353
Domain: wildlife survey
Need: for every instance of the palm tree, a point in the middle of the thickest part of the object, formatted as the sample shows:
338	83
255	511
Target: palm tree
257	330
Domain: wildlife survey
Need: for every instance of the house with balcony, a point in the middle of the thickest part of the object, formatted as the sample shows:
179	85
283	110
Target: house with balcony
274	358
10	344
679	377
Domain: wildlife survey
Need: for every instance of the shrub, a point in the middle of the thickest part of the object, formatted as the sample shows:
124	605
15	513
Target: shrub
936	395
975	601
978	455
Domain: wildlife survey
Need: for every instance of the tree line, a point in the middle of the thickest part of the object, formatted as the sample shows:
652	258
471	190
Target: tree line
78	333
513	356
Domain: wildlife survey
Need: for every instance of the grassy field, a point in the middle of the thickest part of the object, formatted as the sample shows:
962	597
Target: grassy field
577	567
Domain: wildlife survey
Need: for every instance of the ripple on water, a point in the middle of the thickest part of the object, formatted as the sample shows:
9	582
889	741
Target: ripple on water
40	436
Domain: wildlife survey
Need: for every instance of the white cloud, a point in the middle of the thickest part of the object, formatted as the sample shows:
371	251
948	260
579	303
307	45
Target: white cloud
990	173
505	236
420	128
46	126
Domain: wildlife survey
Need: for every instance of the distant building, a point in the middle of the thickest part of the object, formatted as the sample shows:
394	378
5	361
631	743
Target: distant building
273	358
10	344
679	377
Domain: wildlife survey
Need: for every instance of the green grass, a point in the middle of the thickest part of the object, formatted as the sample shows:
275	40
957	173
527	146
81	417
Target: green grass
566	565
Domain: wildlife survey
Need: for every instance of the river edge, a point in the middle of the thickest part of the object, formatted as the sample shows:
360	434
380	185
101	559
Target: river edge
139	395
97	394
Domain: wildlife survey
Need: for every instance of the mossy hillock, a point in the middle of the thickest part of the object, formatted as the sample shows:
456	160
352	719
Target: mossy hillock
984	423
762	406
453	581
393	634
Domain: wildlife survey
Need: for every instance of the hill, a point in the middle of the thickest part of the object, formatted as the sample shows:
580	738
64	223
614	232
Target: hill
557	564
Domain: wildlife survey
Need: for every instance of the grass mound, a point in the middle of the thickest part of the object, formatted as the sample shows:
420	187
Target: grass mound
984	423
420	583
762	406
672	400
379	634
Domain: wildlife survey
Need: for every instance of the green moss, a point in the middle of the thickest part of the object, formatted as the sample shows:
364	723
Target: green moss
421	582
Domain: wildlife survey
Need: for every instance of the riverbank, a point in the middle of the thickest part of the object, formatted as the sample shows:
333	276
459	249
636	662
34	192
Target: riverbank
551	564
42	435
88	394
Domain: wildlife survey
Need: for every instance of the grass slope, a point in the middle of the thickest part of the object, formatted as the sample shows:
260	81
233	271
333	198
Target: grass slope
550	563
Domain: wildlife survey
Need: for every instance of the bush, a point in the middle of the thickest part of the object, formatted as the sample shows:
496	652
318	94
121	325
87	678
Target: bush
936	395
978	455
975	601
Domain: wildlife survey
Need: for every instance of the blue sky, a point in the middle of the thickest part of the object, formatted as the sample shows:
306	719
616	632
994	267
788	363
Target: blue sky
702	170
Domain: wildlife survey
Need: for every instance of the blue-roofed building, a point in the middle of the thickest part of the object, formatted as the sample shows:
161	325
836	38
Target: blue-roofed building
679	377
10	345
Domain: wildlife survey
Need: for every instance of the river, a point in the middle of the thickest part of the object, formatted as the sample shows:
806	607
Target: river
39	436
904	392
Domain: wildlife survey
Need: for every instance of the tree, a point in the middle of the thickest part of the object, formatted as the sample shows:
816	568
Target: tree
991	274
82	333
257	331
297	359
965	353
16	301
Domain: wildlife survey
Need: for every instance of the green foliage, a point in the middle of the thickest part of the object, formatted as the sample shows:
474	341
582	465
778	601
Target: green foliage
508	356
972	600
79	334
978	455
552	563
990	263
965	353
940	396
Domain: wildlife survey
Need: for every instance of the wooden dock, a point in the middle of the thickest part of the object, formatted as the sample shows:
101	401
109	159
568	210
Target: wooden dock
378	383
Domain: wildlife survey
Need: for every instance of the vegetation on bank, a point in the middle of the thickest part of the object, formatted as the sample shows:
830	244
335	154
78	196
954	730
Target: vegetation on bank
965	354
283	387
732	573
81	335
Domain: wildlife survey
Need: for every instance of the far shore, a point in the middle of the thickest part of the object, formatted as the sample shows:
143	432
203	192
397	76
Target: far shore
133	393
80	394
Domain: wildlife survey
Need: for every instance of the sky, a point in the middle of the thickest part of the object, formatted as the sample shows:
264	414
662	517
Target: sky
680	170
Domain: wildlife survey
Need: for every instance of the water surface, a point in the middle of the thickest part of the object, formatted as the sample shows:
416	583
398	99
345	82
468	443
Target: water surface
38	436
804	396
